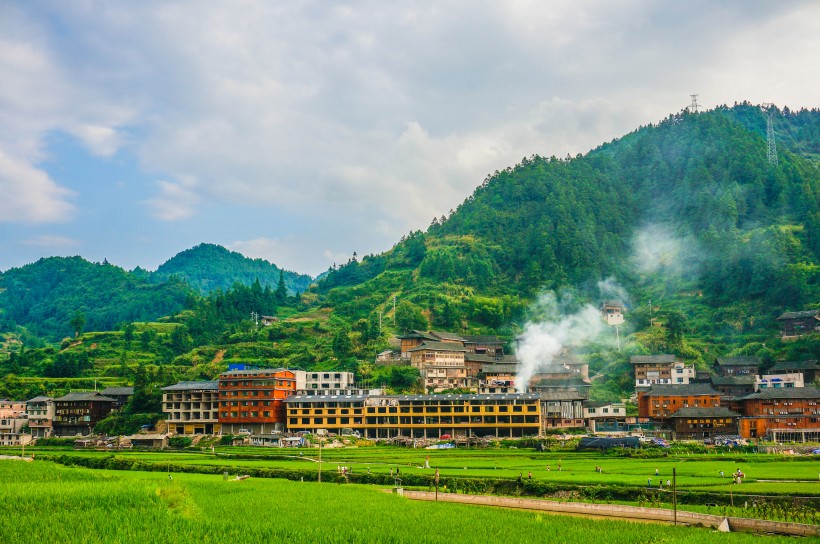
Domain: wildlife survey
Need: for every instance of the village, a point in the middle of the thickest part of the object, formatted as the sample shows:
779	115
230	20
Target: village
734	402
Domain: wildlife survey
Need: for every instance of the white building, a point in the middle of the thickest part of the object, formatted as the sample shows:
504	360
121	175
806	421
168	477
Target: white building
791	379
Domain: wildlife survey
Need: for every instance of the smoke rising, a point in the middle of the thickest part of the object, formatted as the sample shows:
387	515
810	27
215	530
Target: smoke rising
657	248
556	323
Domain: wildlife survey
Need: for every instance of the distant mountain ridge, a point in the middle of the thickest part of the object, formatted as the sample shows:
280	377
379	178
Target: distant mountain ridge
208	267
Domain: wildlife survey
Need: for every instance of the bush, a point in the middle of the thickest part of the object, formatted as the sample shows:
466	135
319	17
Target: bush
179	442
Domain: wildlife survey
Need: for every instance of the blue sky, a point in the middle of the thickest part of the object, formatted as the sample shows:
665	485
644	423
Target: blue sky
300	132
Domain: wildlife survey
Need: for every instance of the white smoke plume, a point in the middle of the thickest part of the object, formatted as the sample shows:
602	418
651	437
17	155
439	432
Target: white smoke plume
611	290
657	247
554	328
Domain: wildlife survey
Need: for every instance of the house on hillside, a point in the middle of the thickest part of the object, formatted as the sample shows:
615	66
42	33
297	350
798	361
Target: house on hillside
734	386
78	413
612	311
794	324
660	369
737	366
809	369
491	346
119	394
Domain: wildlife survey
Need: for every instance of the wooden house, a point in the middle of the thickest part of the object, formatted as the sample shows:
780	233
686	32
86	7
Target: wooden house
700	423
78	413
737	366
794	324
661	401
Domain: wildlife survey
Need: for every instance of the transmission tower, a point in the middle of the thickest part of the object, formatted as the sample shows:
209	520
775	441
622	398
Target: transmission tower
771	144
694	106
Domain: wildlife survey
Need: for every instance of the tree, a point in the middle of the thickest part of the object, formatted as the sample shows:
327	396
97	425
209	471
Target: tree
409	317
77	322
281	293
342	346
128	334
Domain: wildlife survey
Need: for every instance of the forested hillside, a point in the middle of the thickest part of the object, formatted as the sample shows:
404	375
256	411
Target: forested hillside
58	296
208	267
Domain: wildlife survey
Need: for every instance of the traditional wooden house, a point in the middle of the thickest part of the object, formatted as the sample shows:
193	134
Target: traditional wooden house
737	366
414	339
562	408
661	401
490	346
78	413
119	394
780	414
704	423
794	324
734	386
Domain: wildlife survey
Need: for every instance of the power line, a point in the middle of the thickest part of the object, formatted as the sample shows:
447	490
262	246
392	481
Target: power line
771	143
693	107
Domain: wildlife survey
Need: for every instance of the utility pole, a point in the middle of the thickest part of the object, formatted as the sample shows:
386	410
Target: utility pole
674	496
693	107
394	309
771	143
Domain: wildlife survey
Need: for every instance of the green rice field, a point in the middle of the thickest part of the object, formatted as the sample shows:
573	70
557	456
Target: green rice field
46	502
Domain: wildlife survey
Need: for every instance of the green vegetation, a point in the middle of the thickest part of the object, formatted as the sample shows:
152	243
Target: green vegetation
59	504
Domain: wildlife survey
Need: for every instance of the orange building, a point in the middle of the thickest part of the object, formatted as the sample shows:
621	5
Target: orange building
252	400
661	401
781	414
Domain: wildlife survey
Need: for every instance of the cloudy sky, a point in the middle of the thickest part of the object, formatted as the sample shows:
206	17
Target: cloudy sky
303	131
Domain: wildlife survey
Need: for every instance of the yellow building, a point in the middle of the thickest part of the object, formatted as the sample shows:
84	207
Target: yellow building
418	416
192	407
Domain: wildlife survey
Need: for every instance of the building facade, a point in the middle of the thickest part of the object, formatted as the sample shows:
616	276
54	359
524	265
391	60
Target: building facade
791	411
660	369
40	411
253	400
418	416
192	407
794	324
660	402
78	413
13	419
704	423
737	366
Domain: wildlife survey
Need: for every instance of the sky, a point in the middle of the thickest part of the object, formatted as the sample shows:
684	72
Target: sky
302	131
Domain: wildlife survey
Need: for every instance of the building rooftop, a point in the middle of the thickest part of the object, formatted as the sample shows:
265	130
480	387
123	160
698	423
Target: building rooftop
784	366
193	386
478	358
800	315
418	335
260	372
652	359
479	339
40	399
438	346
444	335
733	380
720	411
783	393
85	395
497	367
118	391
325	398
738	361
684	390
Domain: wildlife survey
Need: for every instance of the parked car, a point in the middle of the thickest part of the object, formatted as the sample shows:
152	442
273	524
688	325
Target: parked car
245	432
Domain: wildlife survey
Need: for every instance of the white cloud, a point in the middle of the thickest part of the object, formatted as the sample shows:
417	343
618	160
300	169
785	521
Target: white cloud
371	117
176	201
51	241
29	195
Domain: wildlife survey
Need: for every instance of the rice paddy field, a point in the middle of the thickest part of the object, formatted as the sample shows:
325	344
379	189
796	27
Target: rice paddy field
47	502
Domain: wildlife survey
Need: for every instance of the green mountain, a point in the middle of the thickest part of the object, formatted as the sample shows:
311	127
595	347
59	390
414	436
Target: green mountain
690	204
46	296
208	267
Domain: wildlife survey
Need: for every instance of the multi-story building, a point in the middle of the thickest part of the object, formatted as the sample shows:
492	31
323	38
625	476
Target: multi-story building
418	416
810	369
662	401
442	365
13	419
613	312
660	369
603	417
491	346
78	413
699	423
253	400
734	386
40	412
325	382
414	339
192	407
561	408
784	380
497	377
737	366
780	414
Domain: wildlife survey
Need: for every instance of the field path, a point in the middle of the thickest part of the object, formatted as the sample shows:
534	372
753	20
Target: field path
631	513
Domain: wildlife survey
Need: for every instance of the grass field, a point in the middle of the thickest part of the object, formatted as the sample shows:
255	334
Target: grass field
51	503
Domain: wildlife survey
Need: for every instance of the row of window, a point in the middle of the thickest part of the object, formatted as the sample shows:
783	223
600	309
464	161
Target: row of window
395	420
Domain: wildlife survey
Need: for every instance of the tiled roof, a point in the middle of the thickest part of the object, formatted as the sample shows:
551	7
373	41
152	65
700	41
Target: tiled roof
443	335
40	399
486	339
438	346
84	395
738	361
260	372
652	359
720	411
799	315
478	358
193	386
783	393
784	366
733	380
681	390
118	391
416	334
